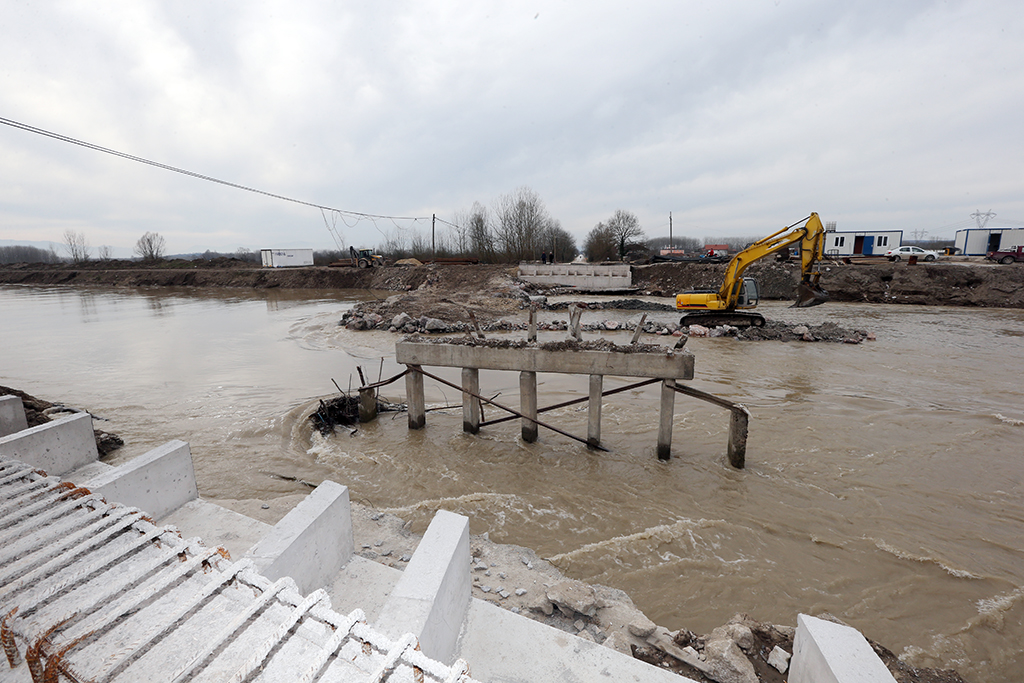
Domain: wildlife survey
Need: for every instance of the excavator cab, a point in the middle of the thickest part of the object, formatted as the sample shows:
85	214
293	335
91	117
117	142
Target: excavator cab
748	294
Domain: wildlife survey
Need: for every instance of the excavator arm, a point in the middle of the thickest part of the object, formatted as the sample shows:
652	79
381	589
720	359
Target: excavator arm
810	237
738	292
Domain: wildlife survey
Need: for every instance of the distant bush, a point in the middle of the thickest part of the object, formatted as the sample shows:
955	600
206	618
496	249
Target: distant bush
26	254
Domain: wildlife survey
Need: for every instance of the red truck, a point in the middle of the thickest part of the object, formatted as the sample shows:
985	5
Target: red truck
1007	255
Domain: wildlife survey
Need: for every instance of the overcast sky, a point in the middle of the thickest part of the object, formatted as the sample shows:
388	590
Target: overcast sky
737	117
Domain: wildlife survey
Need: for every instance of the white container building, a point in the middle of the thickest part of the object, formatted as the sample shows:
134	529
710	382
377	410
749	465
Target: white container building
862	243
282	258
980	241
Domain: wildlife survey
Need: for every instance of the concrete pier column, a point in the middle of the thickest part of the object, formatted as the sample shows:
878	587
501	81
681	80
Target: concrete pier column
367	405
668	409
12	415
594	410
528	404
470	403
737	448
531	334
414	398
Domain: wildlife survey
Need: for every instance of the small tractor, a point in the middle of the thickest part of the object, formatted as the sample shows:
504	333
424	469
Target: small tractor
365	258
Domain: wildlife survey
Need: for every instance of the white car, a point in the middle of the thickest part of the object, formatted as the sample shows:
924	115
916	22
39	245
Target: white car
901	253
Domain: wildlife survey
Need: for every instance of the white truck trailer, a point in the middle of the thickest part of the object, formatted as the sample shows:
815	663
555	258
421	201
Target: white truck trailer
282	258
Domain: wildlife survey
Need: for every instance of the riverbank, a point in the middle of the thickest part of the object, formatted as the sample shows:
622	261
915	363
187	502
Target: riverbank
490	290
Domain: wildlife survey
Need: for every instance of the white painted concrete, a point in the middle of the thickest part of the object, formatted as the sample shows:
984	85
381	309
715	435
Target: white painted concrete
363	584
218	526
56	447
501	646
432	597
579	275
159	481
312	542
12	415
826	652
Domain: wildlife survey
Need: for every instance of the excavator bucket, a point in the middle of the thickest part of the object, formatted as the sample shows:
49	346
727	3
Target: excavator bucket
808	295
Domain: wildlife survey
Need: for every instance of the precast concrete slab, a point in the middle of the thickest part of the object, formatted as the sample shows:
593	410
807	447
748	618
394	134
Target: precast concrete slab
432	597
312	542
56	447
364	584
91	590
218	526
668	365
12	415
502	646
827	652
586	276
160	480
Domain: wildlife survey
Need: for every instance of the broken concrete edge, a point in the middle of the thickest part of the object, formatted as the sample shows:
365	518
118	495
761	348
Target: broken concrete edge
12	415
158	481
312	542
431	599
57	447
827	652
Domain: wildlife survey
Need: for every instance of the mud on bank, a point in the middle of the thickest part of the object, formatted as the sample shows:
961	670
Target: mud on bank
478	286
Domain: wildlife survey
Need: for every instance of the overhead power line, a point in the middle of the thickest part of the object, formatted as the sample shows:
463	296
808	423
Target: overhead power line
166	167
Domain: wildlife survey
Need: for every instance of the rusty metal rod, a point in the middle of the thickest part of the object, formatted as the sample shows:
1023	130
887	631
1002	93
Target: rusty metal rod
574	401
389	380
506	408
711	398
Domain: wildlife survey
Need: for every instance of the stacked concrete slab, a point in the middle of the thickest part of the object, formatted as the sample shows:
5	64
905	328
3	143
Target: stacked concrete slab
97	583
585	276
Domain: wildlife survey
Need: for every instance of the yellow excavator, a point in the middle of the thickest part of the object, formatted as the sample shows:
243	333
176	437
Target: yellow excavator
711	308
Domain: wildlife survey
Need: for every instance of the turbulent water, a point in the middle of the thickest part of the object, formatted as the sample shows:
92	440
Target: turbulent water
884	481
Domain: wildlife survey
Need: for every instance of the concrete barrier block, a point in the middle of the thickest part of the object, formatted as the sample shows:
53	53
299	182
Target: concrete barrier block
12	415
159	481
56	447
431	599
826	652
313	541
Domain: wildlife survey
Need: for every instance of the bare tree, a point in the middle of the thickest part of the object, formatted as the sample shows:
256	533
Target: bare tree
625	228
150	247
562	244
77	246
104	253
600	243
481	239
520	221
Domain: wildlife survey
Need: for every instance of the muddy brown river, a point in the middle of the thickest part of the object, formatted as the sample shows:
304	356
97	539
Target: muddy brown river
884	481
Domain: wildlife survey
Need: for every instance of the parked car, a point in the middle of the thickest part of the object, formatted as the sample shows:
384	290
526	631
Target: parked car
901	253
1006	255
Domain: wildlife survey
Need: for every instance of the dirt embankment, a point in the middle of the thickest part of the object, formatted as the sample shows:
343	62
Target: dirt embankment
483	287
929	284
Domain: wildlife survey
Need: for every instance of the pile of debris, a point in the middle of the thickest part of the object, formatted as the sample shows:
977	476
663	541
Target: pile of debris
774	330
344	410
600	344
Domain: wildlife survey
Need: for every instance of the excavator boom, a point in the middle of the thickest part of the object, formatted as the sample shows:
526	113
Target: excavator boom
738	292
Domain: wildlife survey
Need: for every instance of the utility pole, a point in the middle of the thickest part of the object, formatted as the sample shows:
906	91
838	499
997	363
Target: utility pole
433	242
671	244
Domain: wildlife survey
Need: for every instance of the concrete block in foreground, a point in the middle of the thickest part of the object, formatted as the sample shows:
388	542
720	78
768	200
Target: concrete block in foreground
432	597
55	447
12	415
826	652
159	481
311	543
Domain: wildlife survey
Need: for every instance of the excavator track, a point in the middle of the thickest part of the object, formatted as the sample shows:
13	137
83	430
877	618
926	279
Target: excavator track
718	318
